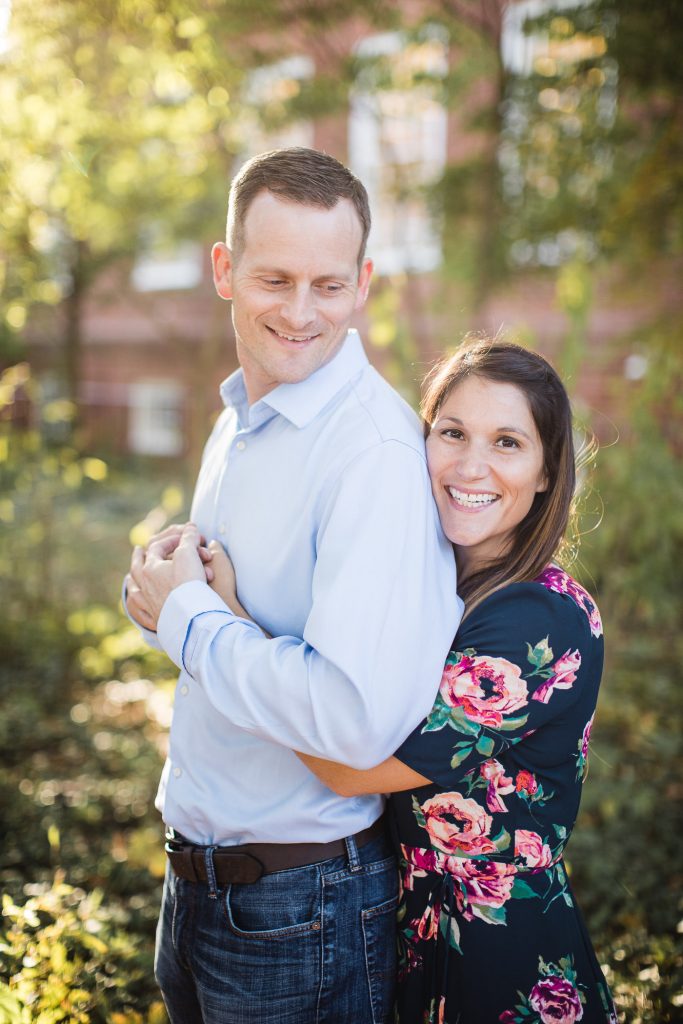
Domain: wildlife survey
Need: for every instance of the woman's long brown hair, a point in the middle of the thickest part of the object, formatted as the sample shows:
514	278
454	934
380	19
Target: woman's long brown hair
538	538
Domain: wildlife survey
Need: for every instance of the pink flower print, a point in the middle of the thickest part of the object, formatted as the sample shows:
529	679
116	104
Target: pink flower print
526	782
498	784
456	823
485	688
418	863
585	739
531	848
582	756
564	675
428	925
485	883
561	582
556	1000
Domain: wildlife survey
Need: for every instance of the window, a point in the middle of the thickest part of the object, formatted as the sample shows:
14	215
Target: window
159	269
155	417
397	145
560	105
265	124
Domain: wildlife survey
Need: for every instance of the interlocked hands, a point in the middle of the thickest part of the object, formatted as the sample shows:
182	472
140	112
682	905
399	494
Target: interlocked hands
177	555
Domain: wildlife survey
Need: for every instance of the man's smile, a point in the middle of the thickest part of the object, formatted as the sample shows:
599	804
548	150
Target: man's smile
291	337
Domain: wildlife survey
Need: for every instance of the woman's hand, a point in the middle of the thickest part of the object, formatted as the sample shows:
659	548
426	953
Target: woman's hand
224	582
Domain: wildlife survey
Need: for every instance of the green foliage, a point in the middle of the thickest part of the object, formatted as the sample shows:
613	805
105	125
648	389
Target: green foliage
72	959
628	836
80	732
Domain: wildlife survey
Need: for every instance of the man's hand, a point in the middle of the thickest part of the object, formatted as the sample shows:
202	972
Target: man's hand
174	556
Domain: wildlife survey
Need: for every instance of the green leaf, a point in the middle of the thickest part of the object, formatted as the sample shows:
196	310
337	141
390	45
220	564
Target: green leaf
521	890
459	720
502	840
461	755
417	811
509	724
12	1011
437	720
454	935
485	745
541	654
492	915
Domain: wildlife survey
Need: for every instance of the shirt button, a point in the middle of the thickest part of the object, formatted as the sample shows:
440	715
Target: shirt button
221	528
177	772
241	445
184	689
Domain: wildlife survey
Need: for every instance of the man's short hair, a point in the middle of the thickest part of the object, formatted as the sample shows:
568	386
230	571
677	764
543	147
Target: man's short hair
298	175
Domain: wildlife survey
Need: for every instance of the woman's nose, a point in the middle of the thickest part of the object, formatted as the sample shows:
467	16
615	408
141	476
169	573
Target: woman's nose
471	465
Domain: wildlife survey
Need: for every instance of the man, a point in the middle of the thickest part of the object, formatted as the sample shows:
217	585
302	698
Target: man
279	897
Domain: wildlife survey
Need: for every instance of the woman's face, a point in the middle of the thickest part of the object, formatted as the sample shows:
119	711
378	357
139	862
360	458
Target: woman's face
485	461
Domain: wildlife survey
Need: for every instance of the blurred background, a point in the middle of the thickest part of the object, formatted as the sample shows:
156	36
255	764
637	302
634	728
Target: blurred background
524	162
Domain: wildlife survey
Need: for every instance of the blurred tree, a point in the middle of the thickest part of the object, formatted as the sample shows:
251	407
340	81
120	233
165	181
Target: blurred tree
113	115
121	122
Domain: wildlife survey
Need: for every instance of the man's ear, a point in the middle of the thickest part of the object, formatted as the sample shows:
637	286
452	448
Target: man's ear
364	279
221	260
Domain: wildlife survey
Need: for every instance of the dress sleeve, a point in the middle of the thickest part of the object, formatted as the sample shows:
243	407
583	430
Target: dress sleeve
519	663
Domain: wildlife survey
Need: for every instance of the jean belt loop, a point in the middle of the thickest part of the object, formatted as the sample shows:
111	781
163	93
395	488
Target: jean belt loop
352	854
211	872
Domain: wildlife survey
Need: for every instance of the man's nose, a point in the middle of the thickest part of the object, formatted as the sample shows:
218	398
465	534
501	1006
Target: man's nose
298	308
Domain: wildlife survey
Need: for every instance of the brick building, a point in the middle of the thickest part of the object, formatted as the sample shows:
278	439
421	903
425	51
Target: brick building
157	340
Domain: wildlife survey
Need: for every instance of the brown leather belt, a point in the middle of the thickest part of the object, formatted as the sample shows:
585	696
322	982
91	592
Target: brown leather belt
245	864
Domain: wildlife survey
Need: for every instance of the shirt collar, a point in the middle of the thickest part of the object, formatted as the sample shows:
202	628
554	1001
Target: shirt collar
301	402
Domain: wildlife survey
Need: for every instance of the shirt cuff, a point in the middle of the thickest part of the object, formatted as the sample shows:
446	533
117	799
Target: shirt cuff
182	605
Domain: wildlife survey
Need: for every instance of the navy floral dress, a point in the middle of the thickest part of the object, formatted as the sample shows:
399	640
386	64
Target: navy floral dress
488	927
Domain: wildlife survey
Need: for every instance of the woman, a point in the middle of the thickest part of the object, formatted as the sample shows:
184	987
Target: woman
486	790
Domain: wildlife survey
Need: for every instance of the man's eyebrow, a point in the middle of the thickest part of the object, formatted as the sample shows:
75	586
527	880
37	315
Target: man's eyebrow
331	275
498	430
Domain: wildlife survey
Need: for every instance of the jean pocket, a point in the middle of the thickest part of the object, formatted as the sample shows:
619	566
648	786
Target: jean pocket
278	906
379	936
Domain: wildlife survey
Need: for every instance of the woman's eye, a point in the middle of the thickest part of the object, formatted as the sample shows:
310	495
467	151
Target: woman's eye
452	432
508	442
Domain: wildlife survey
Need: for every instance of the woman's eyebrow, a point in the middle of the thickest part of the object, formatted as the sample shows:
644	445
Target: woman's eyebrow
499	430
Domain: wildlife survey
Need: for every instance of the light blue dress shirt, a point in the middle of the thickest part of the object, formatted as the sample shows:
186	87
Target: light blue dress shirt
320	494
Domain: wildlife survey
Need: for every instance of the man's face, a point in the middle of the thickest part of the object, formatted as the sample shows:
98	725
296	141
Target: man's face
294	288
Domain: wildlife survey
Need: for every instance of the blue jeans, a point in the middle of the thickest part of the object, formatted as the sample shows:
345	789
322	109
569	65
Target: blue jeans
310	945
